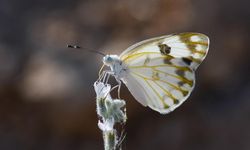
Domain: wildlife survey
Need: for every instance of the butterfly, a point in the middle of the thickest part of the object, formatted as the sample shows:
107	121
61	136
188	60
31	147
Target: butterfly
160	72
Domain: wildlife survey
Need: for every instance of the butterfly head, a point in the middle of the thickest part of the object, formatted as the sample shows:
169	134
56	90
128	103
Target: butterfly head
109	60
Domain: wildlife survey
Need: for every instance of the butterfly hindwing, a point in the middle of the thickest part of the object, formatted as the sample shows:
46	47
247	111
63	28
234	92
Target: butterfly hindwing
161	83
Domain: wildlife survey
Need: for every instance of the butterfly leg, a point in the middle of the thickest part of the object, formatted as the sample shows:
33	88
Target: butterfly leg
104	76
100	77
119	87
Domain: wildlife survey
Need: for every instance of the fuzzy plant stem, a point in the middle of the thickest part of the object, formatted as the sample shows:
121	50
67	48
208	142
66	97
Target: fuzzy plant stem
110	112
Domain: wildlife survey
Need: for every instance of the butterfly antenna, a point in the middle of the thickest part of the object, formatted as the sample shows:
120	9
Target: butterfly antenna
89	50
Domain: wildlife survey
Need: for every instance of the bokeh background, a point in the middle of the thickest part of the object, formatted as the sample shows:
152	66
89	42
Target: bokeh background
47	101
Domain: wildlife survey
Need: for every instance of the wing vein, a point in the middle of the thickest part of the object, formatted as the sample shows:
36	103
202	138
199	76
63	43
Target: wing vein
177	77
167	92
162	100
169	84
165	65
148	97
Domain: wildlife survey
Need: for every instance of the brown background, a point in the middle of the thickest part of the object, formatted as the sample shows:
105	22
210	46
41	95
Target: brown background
47	101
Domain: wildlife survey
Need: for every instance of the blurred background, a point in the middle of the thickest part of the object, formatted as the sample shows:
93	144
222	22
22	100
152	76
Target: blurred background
47	100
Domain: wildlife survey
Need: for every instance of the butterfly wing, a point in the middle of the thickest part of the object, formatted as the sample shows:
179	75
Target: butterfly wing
191	47
161	70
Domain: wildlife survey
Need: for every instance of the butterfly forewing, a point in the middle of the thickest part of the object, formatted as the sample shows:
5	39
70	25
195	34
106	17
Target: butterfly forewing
161	70
191	47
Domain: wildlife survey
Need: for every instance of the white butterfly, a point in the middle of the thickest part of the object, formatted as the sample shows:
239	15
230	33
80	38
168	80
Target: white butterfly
160	72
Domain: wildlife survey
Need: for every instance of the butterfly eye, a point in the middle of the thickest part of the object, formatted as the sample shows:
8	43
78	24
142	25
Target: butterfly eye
109	59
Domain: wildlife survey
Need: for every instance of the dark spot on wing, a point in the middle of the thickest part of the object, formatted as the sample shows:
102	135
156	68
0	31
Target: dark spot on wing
176	101
167	61
187	61
164	49
181	83
156	76
180	72
147	60
186	38
166	106
185	93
